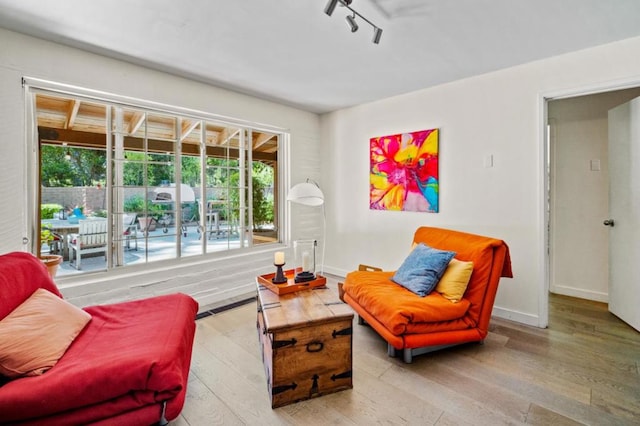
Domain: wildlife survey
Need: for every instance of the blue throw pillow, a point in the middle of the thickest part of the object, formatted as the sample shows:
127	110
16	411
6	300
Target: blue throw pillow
422	269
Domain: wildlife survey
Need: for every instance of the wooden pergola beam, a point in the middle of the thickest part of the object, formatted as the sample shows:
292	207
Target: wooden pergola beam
72	113
262	139
187	127
135	122
226	135
74	138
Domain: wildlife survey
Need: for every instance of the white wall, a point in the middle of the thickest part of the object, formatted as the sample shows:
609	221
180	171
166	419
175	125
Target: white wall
211	281
499	114
579	242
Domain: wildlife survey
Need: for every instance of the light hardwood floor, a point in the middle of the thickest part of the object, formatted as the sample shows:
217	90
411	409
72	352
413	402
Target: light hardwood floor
583	369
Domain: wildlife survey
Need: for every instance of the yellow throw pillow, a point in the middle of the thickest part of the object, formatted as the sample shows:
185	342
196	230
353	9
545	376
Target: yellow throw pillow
454	282
35	335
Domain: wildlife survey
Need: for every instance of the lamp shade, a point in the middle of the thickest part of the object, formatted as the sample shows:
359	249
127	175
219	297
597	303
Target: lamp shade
306	193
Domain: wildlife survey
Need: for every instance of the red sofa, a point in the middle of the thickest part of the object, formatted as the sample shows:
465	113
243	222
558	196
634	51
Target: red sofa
128	366
417	325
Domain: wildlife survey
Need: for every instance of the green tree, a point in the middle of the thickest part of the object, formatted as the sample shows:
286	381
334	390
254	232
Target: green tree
263	178
89	166
262	185
55	169
133	169
84	167
191	170
159	168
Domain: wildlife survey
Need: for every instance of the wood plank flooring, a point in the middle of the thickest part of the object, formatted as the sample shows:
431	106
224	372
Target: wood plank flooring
583	370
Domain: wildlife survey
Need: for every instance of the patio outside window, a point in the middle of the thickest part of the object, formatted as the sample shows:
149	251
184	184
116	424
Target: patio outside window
168	185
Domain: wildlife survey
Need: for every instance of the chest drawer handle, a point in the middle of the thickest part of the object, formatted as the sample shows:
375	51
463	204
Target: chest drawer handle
315	346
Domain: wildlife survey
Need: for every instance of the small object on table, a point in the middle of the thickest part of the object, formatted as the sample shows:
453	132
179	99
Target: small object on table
289	286
305	254
278	262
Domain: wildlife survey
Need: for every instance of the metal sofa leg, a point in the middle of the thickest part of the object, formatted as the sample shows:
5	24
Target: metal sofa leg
391	351
407	355
163	420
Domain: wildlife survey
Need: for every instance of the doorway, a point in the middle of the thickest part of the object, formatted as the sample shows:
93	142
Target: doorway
578	185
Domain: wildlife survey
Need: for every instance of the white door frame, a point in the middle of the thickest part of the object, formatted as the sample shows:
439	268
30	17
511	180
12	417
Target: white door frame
543	156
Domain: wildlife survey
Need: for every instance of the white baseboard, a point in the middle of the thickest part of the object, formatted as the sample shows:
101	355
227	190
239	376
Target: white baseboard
335	271
214	299
527	319
581	293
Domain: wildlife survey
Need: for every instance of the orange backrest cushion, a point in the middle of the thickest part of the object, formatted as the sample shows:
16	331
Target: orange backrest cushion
475	248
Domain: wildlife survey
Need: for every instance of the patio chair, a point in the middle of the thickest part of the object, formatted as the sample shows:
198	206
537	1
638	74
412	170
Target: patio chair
56	243
213	218
130	230
189	217
91	238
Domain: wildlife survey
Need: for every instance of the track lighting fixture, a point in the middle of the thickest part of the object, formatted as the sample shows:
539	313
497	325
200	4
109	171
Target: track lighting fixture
331	6
351	19
377	33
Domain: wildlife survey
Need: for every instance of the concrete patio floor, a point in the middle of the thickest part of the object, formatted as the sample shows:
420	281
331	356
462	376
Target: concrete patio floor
155	246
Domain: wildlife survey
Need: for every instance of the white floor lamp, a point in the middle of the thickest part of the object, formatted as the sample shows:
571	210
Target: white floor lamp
309	194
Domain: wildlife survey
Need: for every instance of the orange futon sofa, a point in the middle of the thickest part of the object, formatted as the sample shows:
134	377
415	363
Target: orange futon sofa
416	325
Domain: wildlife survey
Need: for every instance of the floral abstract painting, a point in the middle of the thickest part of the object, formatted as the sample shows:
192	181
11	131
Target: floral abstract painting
404	172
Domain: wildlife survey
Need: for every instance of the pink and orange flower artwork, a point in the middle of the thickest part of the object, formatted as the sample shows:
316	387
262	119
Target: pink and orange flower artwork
404	172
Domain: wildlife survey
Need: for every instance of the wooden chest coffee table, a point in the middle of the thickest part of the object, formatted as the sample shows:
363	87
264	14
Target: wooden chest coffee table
305	339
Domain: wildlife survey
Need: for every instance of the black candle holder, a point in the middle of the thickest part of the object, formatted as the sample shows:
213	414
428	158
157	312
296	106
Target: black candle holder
279	278
304	276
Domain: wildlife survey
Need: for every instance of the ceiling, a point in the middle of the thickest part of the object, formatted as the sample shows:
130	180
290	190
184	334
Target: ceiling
291	52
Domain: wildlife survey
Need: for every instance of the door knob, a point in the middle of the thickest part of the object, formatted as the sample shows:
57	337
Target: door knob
608	222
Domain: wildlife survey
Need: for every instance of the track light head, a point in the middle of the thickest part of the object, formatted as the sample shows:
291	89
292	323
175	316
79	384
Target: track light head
377	33
351	20
330	7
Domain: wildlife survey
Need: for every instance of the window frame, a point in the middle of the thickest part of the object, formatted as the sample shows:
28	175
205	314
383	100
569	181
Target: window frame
33	87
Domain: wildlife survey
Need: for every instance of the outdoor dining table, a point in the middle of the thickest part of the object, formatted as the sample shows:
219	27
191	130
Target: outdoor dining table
64	228
213	216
